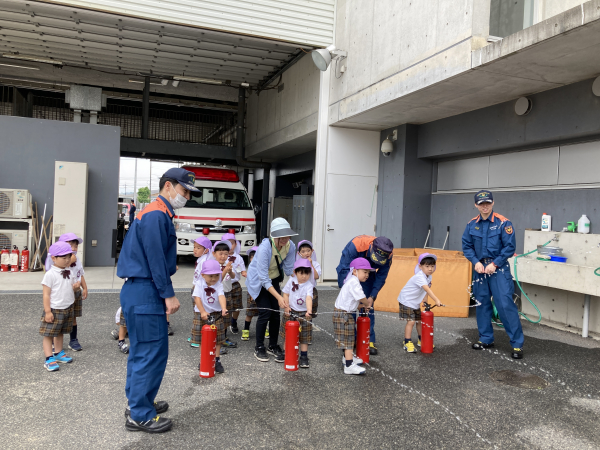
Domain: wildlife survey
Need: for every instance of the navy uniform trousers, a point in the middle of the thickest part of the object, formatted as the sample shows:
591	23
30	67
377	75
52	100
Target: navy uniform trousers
146	318
501	287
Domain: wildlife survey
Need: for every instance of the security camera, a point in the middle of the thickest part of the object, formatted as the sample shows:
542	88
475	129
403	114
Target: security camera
387	146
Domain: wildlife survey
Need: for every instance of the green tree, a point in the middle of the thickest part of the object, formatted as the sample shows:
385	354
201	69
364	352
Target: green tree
143	195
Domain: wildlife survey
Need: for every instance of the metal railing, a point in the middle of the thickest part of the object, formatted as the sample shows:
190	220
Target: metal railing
165	124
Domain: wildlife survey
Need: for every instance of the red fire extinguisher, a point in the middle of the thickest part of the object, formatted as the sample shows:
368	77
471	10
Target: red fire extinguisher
14	259
25	260
4	260
427	329
292	343
363	337
208	349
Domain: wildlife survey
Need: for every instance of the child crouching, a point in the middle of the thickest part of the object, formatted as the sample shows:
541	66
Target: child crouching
210	301
57	318
297	295
412	295
350	298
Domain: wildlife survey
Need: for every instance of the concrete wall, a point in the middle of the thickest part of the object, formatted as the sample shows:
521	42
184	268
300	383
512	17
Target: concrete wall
562	115
551	8
28	149
523	208
275	117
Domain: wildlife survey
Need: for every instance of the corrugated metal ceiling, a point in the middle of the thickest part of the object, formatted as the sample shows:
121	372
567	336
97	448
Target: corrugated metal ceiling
99	40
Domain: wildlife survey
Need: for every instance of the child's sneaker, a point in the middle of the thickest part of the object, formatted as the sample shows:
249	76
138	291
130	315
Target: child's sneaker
419	344
219	367
409	347
372	349
74	345
261	354
355	360
115	334
61	357
229	343
354	370
245	335
234	329
304	362
517	353
223	351
267	333
193	344
51	365
190	339
123	347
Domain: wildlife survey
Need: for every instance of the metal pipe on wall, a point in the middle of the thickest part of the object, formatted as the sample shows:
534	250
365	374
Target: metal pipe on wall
146	108
586	316
243	162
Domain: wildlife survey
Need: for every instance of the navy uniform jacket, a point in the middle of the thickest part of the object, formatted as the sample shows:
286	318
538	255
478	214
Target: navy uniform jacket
150	247
493	238
359	248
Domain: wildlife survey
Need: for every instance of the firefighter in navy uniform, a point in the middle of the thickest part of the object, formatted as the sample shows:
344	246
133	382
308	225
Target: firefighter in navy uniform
148	260
488	242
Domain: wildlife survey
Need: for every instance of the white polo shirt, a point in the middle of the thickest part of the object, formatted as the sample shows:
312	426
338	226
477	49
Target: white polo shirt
238	267
413	293
350	295
62	295
76	272
298	296
210	301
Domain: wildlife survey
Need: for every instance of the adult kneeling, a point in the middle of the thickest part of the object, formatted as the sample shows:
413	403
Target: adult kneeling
274	258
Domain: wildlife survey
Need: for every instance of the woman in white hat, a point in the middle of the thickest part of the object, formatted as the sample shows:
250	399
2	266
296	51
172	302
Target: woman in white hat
274	258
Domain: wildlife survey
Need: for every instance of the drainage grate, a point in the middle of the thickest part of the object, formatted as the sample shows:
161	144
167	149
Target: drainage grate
519	379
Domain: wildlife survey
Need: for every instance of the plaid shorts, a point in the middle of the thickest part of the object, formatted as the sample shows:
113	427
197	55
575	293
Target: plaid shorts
407	313
63	322
234	297
315	302
78	305
251	309
199	323
344	329
305	327
122	320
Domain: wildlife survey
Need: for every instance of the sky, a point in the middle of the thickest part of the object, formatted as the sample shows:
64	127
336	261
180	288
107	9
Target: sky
127	173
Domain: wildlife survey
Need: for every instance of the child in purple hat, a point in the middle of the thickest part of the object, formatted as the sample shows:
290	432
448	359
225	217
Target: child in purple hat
209	300
350	298
79	286
251	310
412	295
297	296
305	250
57	318
234	296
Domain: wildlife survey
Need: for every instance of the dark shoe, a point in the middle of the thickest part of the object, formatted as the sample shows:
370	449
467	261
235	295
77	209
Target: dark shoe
223	351
156	425
170	330
234	329
74	345
261	354
274	350
115	334
219	367
517	353
280	358
481	346
304	362
372	349
160	407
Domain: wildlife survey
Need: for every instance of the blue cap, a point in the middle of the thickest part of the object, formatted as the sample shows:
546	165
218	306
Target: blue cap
483	196
184	177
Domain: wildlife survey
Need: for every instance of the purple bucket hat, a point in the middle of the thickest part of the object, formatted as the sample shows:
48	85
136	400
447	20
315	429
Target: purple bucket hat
211	267
60	248
358	263
228	236
421	258
252	250
70	237
226	242
204	242
302	263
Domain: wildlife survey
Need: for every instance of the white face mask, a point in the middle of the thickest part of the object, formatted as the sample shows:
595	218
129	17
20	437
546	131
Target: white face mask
178	202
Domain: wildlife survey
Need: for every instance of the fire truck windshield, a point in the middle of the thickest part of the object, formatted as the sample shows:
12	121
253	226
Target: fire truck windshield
219	198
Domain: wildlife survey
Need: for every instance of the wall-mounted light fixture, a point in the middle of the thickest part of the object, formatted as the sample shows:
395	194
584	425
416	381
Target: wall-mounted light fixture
323	56
387	146
523	106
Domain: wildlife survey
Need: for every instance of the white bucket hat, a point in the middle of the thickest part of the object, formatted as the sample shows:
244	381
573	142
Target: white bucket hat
281	228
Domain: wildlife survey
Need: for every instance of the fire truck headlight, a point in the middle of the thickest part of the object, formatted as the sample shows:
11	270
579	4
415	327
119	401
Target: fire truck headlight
183	227
249	229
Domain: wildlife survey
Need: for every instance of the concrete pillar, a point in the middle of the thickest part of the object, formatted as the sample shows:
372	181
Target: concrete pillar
264	214
404	194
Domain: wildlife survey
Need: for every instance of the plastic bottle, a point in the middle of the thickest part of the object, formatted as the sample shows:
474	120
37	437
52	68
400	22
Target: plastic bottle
546	222
583	225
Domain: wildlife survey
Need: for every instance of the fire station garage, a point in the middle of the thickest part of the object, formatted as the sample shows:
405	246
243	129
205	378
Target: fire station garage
86	85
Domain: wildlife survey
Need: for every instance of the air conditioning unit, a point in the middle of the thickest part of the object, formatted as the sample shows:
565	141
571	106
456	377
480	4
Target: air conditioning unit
8	238
15	204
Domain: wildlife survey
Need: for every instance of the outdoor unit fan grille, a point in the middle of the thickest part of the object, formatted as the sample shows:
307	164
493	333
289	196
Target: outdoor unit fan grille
6	200
5	240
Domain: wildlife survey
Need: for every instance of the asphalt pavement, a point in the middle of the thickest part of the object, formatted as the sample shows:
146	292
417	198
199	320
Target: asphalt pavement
444	400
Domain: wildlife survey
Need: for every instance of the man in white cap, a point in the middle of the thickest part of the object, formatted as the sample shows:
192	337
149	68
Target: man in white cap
274	258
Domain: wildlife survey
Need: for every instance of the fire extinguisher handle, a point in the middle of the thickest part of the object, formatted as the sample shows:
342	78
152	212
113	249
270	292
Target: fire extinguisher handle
211	320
